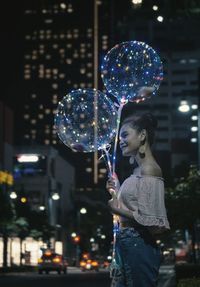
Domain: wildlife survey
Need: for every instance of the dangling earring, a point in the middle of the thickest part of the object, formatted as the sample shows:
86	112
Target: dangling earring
132	159
142	151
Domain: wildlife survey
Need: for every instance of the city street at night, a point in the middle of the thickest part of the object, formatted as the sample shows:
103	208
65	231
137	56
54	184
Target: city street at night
75	278
100	143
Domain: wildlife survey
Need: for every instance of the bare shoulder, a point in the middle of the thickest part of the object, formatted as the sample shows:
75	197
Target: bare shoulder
152	169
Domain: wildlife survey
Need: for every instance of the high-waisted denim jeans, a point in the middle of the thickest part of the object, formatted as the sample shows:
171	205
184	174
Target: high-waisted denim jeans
140	258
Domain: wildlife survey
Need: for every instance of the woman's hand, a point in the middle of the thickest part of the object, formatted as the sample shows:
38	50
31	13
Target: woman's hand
113	185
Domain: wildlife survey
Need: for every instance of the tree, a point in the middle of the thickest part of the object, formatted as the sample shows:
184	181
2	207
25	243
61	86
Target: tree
183	204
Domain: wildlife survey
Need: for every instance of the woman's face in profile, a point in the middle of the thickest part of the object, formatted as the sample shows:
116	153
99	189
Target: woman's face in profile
129	140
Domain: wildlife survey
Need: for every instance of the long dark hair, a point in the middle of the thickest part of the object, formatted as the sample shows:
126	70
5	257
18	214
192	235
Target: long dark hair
145	121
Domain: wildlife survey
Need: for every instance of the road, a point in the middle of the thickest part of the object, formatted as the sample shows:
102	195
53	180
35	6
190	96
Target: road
74	278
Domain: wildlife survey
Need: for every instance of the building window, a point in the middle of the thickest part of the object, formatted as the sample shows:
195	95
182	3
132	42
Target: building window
47	142
40	116
54	86
33	121
26	116
47	111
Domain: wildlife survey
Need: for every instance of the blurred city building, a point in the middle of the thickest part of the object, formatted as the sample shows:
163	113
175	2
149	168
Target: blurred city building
6	137
46	180
58	56
164	27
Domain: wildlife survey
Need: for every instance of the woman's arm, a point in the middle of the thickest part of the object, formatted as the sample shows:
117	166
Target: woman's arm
113	205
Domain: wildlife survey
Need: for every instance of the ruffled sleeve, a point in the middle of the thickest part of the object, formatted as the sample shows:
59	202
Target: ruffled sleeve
144	196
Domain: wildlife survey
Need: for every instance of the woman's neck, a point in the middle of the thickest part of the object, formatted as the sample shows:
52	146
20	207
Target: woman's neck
147	158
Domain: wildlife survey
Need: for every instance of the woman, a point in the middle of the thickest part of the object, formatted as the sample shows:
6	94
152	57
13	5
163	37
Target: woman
139	204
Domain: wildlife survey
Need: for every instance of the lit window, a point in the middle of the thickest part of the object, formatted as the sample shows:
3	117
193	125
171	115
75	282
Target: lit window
27	57
82	85
82	70
89	55
62	51
63	6
48	57
26	136
27	37
47	111
33	121
41	107
69	36
69	82
33	131
75	55
75	86
193	61
103	170
70	9
62	76
33	96
89	65
47	142
55	97
69	46
26	116
47	131
54	86
26	77
88	169
69	61
54	142
89	75
55	71
48	21
55	46
40	116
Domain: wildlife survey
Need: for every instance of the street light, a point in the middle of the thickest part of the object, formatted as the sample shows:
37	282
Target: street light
13	195
55	196
83	210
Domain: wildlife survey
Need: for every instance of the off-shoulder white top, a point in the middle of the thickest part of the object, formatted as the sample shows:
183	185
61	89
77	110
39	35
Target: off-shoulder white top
144	196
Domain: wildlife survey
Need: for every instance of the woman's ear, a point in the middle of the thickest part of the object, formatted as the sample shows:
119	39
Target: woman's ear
143	135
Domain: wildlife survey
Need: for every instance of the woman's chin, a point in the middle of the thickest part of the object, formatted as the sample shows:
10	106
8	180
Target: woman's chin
126	153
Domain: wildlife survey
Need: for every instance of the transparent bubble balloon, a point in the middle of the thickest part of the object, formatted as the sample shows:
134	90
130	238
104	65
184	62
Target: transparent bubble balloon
132	71
75	120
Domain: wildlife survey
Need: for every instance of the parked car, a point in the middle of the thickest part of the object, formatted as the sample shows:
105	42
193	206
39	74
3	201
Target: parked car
52	262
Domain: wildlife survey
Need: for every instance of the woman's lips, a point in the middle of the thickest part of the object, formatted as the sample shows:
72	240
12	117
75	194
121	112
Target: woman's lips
123	146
